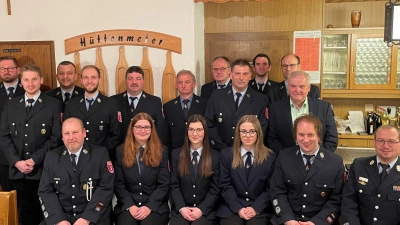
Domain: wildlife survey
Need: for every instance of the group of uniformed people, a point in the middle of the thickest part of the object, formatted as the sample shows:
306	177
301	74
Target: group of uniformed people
220	171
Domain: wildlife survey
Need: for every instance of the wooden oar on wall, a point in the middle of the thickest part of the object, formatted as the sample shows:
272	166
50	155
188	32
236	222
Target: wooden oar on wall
148	72
168	80
103	86
77	62
122	66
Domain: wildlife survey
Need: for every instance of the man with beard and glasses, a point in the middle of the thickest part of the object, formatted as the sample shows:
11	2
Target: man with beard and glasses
10	87
135	100
66	77
99	113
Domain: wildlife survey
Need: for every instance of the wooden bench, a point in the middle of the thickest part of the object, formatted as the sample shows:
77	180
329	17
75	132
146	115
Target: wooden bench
8	208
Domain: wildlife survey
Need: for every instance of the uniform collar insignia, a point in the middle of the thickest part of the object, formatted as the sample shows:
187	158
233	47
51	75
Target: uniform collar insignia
197	101
322	155
176	102
297	152
76	92
398	168
65	152
253	83
40	100
229	91
144	96
372	162
58	93
81	100
98	100
20	85
21	100
85	151
124	95
269	83
248	95
281	87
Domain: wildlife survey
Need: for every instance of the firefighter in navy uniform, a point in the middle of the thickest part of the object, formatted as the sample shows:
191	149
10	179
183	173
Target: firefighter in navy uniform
10	87
371	194
99	113
66	76
135	100
77	182
307	182
30	126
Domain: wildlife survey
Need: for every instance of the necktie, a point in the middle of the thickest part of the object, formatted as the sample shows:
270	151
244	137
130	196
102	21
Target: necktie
260	87
308	163
248	164
90	101
384	173
30	105
186	108
132	105
73	160
141	165
195	162
221	86
10	92
66	98
238	95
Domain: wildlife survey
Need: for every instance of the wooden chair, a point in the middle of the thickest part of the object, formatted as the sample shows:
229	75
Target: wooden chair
8	208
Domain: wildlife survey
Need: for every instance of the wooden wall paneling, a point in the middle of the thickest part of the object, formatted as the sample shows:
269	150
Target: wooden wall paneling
246	46
38	52
282	15
148	72
103	86
338	14
342	106
168	80
78	69
120	71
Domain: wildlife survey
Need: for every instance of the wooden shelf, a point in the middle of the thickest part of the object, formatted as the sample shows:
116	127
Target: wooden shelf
356	136
351	30
336	1
392	94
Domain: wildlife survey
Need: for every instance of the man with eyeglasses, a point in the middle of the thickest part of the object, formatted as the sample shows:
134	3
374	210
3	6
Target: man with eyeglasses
220	69
371	194
135	100
307	181
100	114
178	110
10	87
226	106
66	77
283	113
262	66
30	126
289	63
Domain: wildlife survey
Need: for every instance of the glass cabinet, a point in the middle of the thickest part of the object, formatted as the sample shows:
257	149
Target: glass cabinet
358	59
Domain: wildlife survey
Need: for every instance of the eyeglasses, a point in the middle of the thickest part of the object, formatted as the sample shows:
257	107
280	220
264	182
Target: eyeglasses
244	133
9	69
291	66
198	130
140	128
222	69
382	142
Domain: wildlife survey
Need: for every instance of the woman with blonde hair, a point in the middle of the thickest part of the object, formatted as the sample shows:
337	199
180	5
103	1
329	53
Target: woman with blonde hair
245	172
194	177
141	176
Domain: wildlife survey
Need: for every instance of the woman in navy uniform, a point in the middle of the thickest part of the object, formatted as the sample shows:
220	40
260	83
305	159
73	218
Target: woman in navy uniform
245	173
194	177
142	177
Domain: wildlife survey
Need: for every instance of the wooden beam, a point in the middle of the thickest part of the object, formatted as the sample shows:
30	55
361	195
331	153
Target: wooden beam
9	7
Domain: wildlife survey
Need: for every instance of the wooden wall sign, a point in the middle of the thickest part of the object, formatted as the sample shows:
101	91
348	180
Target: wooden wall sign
123	37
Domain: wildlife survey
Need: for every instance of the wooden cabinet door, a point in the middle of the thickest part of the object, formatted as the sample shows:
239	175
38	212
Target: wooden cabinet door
38	52
246	46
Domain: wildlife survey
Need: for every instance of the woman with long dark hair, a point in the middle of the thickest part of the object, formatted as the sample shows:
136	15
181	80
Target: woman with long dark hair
141	176
246	169
194	177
